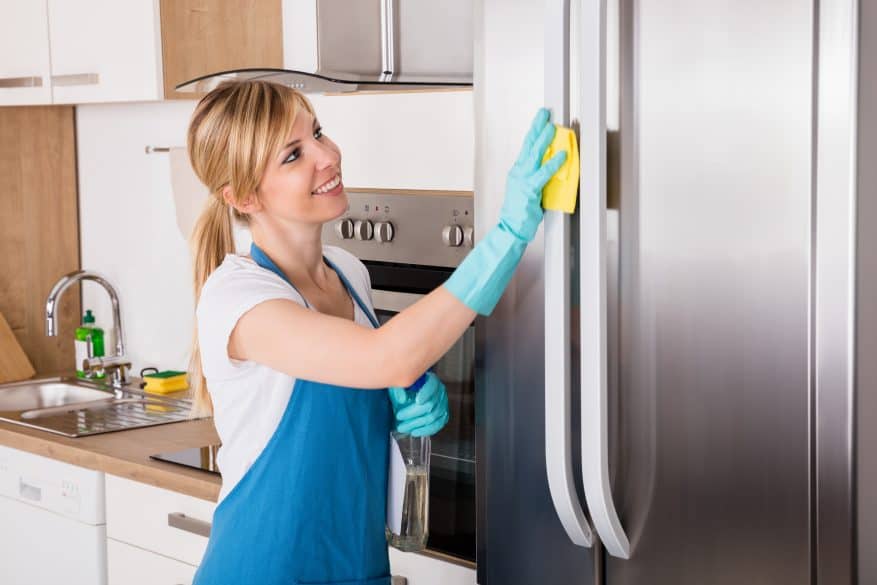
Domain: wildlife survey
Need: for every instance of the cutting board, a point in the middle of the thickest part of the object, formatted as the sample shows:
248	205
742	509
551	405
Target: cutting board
14	365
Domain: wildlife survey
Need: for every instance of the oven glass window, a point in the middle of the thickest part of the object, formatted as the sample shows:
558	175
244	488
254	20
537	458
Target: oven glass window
452	466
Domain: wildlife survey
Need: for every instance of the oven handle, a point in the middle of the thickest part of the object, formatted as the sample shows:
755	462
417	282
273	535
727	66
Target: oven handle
388	300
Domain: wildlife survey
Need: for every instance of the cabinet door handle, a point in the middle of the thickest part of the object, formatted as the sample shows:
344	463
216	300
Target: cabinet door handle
76	79
34	81
188	524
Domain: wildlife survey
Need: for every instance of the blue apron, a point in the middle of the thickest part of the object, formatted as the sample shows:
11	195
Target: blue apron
312	507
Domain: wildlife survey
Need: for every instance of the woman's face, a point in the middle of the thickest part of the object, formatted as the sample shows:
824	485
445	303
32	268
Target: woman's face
302	182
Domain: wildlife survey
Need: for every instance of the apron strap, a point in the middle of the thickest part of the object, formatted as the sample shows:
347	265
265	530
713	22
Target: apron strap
264	261
374	321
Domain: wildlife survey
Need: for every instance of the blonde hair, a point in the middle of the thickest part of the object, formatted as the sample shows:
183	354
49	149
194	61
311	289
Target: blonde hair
234	132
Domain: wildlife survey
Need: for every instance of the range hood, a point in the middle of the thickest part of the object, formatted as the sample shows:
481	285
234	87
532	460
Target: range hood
367	45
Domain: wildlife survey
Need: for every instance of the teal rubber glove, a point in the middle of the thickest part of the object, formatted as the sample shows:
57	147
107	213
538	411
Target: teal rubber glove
422	413
484	274
521	211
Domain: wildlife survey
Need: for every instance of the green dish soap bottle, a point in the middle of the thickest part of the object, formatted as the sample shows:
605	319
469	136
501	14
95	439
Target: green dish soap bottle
89	343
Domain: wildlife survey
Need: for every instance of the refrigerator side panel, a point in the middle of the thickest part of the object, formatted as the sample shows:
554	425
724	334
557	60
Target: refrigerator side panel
520	538
712	463
866	308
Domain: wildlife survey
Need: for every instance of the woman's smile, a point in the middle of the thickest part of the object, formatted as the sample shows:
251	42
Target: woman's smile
332	187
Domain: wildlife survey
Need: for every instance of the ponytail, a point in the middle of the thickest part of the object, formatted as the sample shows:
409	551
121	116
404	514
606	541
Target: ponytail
212	239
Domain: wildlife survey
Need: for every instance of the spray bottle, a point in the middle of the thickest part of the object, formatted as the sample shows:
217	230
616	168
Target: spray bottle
408	487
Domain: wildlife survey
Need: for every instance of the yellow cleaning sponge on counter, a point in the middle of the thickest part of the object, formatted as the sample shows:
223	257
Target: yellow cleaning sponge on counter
561	191
164	382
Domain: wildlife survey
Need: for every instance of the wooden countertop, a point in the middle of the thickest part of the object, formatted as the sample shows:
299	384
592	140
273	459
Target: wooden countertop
126	453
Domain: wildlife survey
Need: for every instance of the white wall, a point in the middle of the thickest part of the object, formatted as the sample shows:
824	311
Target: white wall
127	220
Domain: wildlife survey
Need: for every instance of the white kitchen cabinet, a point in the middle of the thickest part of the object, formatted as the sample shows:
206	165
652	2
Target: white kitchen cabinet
80	51
423	570
156	530
25	70
157	520
105	51
130	565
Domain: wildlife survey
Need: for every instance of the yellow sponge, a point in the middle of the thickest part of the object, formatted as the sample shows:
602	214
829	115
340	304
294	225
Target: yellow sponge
561	191
164	382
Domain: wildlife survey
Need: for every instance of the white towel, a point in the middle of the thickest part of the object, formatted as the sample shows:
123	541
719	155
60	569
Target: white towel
189	192
190	195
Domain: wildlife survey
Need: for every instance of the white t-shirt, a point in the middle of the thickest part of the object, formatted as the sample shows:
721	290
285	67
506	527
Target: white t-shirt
249	399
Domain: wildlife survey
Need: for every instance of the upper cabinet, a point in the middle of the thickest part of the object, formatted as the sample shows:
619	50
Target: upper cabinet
25	73
200	37
105	51
79	51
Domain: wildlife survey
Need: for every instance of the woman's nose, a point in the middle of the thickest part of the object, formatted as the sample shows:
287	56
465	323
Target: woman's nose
328	156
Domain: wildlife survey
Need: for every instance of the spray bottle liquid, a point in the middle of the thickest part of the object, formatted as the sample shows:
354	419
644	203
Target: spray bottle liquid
408	493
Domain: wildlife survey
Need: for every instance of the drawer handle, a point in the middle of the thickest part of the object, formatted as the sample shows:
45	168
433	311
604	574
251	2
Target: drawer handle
21	81
188	524
76	79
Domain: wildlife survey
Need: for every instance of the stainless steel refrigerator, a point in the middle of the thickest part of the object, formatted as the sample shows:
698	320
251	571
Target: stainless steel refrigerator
677	387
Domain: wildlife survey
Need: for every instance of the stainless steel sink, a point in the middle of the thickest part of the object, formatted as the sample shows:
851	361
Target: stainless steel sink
32	395
75	407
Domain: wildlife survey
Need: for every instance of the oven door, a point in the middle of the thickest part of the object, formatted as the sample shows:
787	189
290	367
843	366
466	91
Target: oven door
452	466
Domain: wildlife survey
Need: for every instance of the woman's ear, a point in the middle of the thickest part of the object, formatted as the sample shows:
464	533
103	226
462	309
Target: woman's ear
247	206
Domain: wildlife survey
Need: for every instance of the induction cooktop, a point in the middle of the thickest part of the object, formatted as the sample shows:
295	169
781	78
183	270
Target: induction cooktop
201	458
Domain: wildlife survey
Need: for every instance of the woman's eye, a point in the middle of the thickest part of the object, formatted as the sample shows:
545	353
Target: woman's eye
318	133
293	156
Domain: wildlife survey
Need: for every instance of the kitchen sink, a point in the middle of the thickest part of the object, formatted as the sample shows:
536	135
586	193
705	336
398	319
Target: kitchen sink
33	395
73	407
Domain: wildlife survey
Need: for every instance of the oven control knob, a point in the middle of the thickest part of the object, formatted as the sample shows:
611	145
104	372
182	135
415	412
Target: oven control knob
344	229
363	230
452	235
469	236
384	231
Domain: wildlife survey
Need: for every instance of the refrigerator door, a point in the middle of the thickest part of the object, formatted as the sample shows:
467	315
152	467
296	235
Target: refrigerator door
712	440
520	538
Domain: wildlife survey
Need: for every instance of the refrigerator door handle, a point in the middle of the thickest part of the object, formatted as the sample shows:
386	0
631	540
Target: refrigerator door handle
593	281
558	432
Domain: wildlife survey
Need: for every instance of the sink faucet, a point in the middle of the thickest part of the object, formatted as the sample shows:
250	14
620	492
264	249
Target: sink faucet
116	363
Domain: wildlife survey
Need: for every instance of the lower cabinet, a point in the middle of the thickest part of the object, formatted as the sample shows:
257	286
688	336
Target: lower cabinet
130	565
158	537
154	535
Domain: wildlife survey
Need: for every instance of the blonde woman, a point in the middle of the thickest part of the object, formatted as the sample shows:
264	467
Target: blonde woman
289	357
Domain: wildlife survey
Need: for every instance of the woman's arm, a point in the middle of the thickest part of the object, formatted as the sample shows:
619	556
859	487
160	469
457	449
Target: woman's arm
289	338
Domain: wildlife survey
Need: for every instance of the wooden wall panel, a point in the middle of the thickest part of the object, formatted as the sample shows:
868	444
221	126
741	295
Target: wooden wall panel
39	235
206	36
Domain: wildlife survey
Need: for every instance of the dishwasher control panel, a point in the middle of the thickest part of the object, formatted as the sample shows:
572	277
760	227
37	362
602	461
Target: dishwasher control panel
59	487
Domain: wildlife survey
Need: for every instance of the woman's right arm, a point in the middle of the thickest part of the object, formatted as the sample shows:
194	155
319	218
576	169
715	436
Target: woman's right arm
305	344
289	338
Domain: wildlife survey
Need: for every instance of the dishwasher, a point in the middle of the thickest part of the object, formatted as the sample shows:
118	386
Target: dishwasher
52	522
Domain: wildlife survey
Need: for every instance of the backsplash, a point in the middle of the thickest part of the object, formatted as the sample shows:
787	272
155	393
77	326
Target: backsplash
128	227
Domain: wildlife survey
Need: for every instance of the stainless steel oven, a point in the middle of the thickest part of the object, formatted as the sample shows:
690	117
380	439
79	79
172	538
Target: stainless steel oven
411	242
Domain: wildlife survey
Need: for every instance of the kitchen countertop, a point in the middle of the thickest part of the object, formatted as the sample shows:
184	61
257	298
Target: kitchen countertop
126	453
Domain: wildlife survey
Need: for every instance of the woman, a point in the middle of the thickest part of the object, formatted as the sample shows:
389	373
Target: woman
290	348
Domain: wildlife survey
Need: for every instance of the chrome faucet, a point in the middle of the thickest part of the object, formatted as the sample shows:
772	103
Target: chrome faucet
116	363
